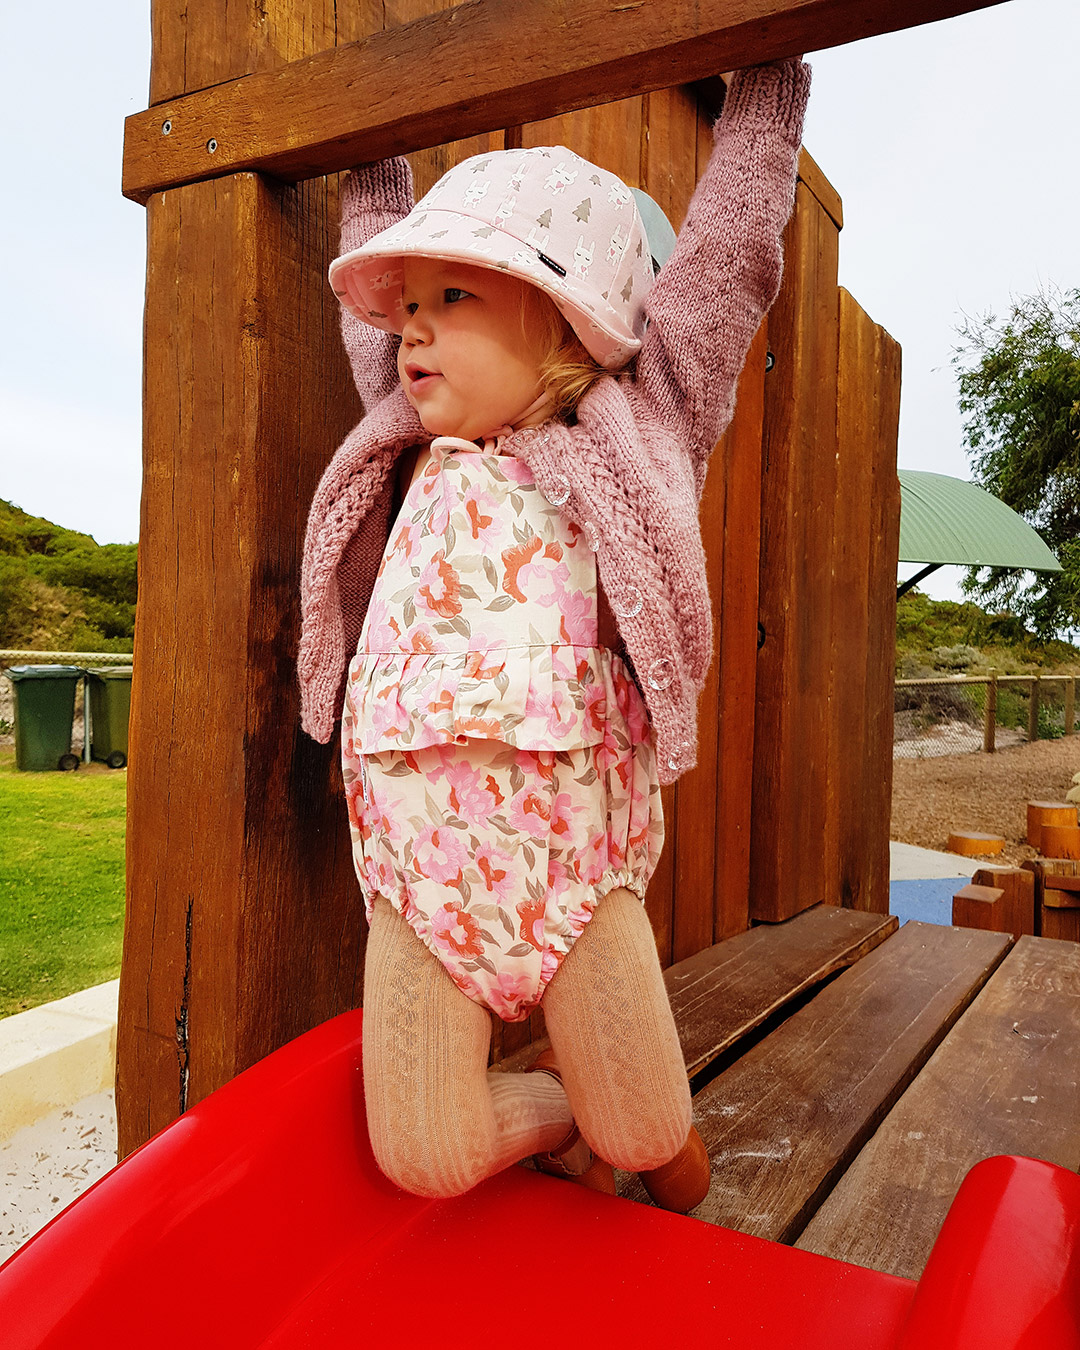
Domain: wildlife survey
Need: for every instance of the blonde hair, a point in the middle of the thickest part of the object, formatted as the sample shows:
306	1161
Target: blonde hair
567	371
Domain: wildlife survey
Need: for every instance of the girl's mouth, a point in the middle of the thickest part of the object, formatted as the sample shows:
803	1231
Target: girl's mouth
419	379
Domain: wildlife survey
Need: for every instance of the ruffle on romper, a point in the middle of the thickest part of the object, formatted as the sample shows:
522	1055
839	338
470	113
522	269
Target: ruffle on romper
533	698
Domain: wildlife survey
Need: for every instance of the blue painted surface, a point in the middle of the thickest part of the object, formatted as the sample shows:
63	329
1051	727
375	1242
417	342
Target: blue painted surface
928	901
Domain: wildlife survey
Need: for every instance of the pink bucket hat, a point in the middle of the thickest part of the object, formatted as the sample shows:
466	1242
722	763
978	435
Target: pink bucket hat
545	215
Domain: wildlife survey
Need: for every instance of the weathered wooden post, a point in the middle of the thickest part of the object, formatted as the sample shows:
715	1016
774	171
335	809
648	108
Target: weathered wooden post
990	714
243	918
1033	707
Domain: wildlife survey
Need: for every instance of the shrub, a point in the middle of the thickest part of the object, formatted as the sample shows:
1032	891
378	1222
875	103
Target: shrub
932	704
960	657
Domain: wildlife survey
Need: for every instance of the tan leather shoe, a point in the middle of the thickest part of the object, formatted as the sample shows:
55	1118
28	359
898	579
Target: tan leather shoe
572	1159
682	1183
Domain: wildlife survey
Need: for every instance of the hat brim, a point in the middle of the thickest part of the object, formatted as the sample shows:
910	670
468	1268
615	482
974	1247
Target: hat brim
368	280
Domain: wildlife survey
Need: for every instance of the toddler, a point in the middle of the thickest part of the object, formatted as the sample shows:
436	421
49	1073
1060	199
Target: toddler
504	584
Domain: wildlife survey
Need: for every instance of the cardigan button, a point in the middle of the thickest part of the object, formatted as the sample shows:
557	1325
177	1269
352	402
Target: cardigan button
677	757
660	673
560	491
592	535
628	604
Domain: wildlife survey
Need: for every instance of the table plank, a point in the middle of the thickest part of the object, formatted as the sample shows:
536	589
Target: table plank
722	993
785	1120
1005	1080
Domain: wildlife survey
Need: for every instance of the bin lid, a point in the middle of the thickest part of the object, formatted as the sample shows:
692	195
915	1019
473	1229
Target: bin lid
43	672
109	672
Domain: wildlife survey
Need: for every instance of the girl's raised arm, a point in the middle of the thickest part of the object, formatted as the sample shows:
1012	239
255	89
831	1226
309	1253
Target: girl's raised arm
713	292
374	197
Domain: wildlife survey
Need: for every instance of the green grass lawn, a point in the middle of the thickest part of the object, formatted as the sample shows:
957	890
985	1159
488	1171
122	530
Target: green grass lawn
61	881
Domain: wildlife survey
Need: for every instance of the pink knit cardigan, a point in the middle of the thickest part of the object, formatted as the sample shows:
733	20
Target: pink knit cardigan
631	471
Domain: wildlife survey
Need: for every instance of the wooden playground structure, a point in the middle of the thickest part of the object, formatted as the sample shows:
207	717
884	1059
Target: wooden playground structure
244	921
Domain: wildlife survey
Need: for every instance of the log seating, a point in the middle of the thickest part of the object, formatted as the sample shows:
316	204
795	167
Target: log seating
973	844
1047	813
1060	841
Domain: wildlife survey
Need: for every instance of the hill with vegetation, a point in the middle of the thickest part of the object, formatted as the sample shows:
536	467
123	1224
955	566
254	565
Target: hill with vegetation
962	638
61	590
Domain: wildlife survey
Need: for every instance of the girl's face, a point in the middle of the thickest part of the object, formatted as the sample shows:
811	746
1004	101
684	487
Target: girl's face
471	347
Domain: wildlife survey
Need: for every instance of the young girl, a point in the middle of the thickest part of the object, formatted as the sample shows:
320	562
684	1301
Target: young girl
528	640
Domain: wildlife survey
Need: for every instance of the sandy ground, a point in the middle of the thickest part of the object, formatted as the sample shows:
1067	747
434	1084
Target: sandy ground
988	793
46	1166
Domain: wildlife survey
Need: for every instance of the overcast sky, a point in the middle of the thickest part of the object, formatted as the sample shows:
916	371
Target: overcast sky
953	146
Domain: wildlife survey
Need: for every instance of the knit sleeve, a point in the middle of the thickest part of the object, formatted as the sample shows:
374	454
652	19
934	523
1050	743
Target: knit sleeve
711	295
374	197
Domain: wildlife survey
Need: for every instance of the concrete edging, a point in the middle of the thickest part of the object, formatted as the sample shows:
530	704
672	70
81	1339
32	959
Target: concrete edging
54	1055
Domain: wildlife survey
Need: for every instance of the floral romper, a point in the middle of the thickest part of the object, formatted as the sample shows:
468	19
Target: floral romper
498	762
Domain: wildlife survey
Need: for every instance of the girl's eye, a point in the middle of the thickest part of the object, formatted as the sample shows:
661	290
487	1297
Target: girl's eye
411	308
453	294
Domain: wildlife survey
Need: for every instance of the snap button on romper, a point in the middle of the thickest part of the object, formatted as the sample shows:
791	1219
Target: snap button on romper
498	761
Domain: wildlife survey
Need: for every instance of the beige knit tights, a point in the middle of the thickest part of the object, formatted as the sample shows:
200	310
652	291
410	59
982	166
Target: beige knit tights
440	1121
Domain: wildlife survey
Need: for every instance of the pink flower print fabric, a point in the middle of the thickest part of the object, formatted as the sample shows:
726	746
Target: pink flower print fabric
497	857
499	766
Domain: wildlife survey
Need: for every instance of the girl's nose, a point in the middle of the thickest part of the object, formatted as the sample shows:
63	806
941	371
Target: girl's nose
416	329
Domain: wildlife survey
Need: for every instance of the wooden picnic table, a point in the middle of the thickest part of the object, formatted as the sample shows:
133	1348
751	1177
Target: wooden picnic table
848	1073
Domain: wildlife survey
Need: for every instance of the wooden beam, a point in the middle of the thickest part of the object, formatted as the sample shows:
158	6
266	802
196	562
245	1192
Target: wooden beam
482	65
243	920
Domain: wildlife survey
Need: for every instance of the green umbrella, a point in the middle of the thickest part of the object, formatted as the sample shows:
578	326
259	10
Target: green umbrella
947	521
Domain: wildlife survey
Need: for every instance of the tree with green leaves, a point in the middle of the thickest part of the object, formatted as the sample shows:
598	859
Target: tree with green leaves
1019	381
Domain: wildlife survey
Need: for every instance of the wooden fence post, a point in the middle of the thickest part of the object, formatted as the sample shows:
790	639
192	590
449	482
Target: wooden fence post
1070	704
1033	708
990	714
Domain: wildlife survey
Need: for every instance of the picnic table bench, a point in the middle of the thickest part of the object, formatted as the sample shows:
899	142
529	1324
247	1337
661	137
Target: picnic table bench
846	1075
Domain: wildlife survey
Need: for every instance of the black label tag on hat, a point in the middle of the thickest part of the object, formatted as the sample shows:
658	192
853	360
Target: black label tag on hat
549	262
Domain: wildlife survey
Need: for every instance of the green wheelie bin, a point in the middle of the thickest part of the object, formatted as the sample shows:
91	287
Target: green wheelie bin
44	712
110	708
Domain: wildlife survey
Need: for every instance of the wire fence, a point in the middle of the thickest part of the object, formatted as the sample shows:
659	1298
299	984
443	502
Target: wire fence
21	656
964	714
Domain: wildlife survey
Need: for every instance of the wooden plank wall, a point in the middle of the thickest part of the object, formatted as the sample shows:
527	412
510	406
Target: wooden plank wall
243	916
830	515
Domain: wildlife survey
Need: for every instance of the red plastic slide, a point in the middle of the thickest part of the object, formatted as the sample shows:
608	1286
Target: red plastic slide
260	1219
